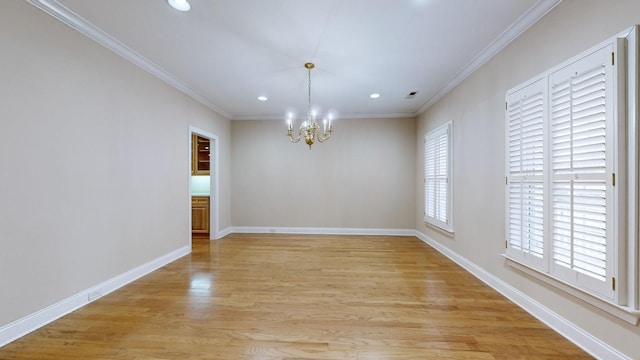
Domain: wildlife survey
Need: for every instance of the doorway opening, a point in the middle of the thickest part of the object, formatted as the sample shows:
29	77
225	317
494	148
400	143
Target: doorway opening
203	184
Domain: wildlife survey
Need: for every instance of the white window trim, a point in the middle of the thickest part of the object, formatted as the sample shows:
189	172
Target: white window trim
626	313
627	305
445	226
633	169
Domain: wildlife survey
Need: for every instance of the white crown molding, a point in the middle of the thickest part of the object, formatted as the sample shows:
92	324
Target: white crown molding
535	13
73	20
342	116
76	22
38	319
573	333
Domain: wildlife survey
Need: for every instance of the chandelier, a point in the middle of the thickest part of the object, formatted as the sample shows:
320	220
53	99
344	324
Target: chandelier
310	129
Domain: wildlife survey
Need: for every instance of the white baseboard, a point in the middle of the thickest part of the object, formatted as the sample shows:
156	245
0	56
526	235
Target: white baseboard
576	335
321	231
224	233
38	319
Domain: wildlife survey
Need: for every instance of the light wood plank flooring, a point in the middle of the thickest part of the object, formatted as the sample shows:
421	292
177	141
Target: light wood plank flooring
300	297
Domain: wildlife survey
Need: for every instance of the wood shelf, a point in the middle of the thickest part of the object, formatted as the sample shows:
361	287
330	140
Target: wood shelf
200	155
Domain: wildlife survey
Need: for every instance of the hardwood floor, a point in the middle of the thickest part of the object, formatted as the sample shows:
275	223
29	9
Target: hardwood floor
300	297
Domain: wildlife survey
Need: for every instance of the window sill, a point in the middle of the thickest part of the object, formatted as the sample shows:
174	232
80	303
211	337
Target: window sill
625	313
444	231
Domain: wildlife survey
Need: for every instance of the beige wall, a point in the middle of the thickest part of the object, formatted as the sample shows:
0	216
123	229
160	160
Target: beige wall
363	177
476	108
94	156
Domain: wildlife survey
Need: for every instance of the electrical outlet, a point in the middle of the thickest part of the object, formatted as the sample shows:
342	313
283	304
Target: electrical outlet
94	295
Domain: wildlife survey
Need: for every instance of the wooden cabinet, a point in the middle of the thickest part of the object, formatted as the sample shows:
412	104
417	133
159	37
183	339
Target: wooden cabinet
200	215
200	155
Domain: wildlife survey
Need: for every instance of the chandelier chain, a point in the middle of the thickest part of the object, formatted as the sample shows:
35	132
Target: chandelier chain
309	98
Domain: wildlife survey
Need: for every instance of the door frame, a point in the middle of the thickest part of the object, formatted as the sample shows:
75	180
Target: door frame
214	178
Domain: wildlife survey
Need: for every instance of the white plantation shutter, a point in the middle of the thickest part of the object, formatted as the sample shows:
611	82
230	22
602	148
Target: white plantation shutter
525	115
561	132
437	178
582	121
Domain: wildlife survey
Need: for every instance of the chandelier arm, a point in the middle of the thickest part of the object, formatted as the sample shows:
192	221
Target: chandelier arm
292	138
325	135
323	138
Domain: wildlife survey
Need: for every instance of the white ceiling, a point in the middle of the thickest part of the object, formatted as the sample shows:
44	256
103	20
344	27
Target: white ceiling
225	53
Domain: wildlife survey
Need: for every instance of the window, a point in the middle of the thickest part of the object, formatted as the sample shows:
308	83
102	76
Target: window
562	141
437	177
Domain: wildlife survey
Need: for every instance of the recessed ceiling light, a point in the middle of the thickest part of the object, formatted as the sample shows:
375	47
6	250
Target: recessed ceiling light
374	95
263	98
181	5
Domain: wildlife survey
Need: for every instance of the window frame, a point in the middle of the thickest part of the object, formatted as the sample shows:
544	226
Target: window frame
443	131
624	302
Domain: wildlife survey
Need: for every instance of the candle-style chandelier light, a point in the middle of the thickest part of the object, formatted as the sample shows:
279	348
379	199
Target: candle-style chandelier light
309	129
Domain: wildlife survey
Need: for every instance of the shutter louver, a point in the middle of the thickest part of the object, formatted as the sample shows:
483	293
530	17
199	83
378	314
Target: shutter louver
525	151
437	190
430	183
579	116
526	231
579	227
